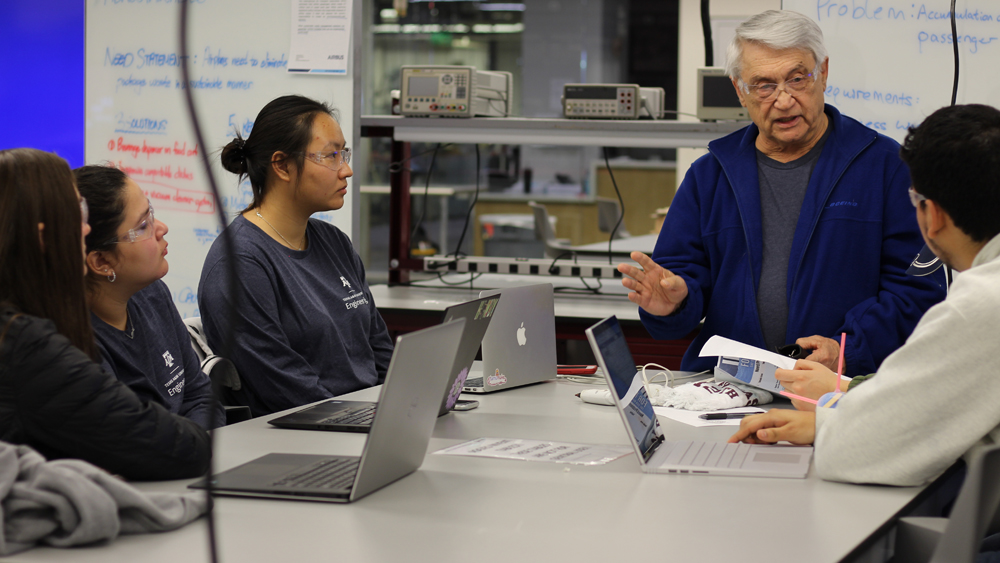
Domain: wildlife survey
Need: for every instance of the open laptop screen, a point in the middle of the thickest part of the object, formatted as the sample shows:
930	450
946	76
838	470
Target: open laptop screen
477	314
627	384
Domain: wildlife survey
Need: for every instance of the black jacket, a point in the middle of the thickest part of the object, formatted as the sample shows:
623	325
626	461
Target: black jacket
56	400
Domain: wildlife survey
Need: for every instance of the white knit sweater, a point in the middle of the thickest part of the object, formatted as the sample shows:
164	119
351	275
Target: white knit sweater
933	399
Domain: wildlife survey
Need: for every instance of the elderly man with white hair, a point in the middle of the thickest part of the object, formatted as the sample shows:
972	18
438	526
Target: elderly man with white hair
792	230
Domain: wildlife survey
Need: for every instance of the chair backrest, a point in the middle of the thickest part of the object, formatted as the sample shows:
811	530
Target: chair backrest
608	213
554	247
543	228
975	513
222	373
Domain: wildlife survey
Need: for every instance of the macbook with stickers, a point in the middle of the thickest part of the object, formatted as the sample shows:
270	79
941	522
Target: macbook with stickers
659	456
410	398
519	347
337	415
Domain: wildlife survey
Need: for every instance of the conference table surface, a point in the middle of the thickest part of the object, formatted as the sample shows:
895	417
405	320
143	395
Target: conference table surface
460	509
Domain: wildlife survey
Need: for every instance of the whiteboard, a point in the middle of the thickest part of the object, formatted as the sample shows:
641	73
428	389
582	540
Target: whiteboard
137	119
891	61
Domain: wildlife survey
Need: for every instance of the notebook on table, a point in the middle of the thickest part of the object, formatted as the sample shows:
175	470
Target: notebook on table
659	456
519	347
356	416
411	396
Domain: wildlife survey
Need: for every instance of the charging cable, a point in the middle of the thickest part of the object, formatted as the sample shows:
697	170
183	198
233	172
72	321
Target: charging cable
603	396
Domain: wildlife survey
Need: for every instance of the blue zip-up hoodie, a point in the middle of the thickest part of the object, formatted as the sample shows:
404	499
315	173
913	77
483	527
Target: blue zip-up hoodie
856	235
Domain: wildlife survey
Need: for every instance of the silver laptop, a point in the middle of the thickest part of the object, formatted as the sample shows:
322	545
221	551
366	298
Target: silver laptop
418	375
337	415
699	458
519	347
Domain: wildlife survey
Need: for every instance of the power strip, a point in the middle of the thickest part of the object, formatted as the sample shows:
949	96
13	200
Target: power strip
527	266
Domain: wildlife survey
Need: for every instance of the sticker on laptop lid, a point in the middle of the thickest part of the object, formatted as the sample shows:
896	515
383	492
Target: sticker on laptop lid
456	388
496	379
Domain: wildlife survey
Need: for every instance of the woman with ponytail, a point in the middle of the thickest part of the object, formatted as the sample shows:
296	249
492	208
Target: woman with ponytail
142	339
306	327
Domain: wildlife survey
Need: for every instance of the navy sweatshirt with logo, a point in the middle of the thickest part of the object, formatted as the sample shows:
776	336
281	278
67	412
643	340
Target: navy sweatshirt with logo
306	325
153	356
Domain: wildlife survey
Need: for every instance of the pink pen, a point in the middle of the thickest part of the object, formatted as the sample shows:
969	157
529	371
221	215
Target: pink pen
840	365
797	397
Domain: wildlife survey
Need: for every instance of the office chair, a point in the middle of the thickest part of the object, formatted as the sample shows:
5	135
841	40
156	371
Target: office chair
543	231
956	539
608	212
220	371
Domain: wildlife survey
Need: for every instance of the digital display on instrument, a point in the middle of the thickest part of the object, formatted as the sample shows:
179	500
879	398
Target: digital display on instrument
591	92
422	86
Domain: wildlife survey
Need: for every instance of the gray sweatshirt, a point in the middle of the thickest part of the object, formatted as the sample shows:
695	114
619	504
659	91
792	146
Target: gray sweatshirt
934	399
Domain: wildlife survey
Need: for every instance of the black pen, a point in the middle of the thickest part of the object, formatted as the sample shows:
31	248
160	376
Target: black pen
724	415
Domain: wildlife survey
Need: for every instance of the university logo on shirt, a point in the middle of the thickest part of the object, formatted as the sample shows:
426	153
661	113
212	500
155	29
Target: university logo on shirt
168	359
344	282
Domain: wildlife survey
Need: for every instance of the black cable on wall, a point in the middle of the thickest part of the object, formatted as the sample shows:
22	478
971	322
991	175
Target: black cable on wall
706	30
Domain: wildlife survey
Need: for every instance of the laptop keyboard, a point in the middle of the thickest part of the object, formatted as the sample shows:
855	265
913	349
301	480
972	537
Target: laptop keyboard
474	382
361	417
708	454
334	473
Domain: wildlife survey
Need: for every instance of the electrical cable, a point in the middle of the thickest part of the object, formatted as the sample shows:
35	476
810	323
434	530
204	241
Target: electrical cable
954	97
621	202
668	376
706	30
398	165
472	277
231	270
675	112
427	188
472	205
552	267
594	290
954	47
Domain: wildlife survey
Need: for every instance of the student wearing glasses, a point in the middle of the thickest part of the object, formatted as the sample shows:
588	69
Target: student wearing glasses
934	399
140	335
792	230
306	327
54	396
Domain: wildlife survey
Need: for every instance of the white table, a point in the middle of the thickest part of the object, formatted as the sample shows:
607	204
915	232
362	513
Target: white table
460	509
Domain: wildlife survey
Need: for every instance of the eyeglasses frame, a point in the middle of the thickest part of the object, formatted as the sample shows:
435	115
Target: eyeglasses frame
320	158
131	234
778	87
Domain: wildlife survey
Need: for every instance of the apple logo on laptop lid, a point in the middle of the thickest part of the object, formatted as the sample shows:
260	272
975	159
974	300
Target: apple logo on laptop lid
522	338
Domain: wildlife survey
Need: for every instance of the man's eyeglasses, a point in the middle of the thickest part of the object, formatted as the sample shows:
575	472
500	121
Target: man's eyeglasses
916	198
142	231
768	91
332	160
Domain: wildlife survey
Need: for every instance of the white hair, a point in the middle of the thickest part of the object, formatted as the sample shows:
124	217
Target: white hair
779	30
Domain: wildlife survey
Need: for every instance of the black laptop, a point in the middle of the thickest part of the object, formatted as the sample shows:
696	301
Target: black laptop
356	416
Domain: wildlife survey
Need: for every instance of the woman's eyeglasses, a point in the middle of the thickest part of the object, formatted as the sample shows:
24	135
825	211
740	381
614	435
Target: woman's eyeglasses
332	160
142	231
